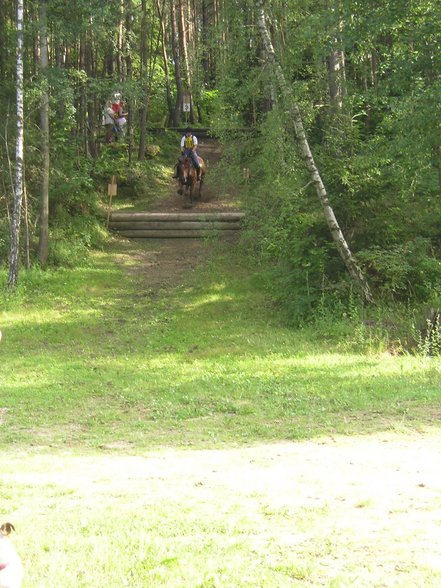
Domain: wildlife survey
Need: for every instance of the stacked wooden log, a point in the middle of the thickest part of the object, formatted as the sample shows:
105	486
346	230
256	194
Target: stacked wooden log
167	225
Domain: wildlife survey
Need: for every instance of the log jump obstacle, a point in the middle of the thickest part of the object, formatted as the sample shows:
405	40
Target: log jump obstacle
172	225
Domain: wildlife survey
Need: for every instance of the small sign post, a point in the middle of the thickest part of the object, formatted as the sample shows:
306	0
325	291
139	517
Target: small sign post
111	191
186	103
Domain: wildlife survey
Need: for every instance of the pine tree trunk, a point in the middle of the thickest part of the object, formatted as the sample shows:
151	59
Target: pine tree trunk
128	63
206	52
3	36
335	64
143	74
82	89
177	62
43	245
14	255
92	130
305	151
165	59
119	54
183	44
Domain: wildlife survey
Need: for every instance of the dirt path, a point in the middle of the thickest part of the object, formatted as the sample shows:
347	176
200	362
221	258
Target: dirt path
213	200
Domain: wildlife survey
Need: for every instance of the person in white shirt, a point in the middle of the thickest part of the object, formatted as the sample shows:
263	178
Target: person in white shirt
109	121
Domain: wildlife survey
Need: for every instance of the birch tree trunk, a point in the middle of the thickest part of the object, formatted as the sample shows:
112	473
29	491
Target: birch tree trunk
337	118
14	255
306	154
335	62
43	245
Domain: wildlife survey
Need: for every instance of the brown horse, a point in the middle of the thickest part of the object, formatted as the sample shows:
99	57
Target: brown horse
188	179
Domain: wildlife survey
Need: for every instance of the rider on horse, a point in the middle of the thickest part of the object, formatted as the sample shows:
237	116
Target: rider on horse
189	145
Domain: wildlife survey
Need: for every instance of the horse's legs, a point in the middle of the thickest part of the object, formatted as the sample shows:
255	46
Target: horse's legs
188	203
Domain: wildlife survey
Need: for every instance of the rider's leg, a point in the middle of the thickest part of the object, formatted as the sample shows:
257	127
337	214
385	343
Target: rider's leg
196	164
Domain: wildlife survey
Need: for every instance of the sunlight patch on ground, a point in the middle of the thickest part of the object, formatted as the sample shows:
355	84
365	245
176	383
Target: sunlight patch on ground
208	299
362	509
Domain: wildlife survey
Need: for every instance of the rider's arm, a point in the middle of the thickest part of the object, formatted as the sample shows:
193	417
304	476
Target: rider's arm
195	143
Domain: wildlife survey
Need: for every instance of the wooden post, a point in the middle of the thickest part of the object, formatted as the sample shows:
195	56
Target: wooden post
111	191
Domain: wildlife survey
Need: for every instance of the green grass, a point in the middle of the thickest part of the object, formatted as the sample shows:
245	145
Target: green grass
100	369
92	357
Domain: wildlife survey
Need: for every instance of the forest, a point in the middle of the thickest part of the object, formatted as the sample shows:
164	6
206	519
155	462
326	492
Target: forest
359	82
252	410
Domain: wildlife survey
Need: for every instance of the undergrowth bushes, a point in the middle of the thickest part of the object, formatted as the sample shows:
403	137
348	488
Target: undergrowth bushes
396	248
78	197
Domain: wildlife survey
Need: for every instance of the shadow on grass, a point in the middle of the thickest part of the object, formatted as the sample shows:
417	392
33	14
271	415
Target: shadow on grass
202	363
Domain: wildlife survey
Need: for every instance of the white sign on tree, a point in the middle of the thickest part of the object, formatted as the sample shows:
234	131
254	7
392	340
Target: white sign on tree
186	101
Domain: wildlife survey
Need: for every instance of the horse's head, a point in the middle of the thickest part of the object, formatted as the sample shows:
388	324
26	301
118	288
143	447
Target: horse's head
186	170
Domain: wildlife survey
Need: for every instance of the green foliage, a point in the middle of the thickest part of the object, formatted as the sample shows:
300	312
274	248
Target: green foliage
379	154
409	271
72	238
208	104
429	340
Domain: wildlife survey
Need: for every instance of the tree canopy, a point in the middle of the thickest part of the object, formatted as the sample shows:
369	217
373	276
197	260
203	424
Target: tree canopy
365	77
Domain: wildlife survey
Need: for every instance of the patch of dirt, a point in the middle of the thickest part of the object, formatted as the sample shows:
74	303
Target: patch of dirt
3	412
158	264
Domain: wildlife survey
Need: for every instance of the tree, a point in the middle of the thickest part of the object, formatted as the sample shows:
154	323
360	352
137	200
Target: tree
44	122
143	75
305	151
177	62
14	256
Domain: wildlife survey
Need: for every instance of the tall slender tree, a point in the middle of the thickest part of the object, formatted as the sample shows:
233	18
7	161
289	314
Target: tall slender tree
305	151
143	56
177	62
14	255
162	13
44	124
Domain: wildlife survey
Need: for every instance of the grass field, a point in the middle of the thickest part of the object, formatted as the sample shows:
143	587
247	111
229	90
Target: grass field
122	392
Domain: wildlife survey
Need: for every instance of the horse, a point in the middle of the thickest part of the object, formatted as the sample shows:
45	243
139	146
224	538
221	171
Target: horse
187	178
